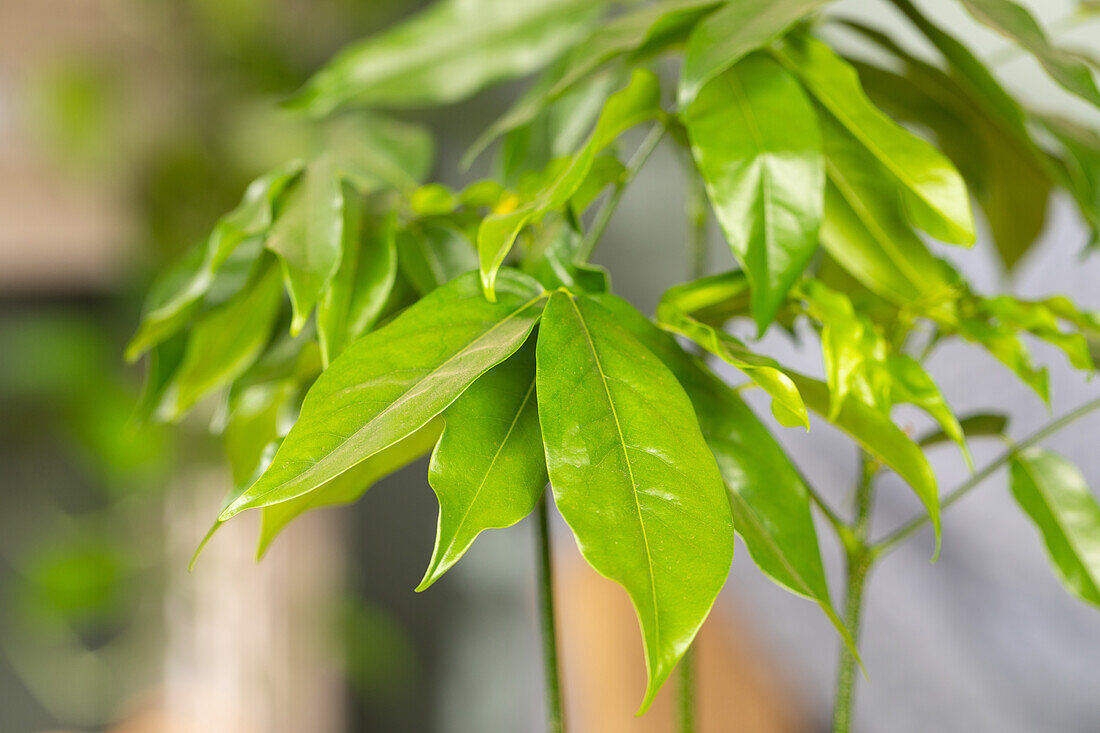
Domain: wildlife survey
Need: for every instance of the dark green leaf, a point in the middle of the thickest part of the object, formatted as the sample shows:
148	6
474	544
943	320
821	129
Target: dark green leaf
1055	496
632	475
765	180
728	35
973	426
488	470
448	52
394	380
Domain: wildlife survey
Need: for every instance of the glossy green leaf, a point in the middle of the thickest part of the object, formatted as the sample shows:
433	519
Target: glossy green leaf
488	470
632	475
333	304
1015	22
308	237
725	37
769	500
879	437
765	180
638	101
552	260
394	380
1056	497
448	52
1003	343
349	486
223	343
934	195
434	254
1040	320
714	299
259	414
864	229
761	370
174	300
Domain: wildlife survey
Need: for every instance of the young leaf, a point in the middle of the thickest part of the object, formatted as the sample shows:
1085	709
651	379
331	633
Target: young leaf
864	229
632	475
728	35
308	237
1003	343
256	414
1055	496
932	191
374	280
349	486
769	500
488	470
447	53
223	343
333	305
394	380
173	301
761	370
1015	22
765	180
638	101
881	438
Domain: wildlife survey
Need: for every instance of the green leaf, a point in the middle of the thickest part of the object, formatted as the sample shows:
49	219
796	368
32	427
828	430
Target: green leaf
394	380
712	300
769	500
308	237
932	191
1055	496
864	230
1003	343
973	426
223	343
257	416
434	254
175	298
1015	22
728	35
765	180
639	101
879	437
488	470
448	52
374	152
1038	319
552	260
349	486
332	307
632	475
761	370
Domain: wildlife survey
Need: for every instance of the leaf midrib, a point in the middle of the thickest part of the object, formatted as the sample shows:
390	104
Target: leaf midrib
630	474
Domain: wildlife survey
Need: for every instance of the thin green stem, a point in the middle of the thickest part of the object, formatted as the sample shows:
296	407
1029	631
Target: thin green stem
903	533
858	561
555	721
686	703
607	208
697	223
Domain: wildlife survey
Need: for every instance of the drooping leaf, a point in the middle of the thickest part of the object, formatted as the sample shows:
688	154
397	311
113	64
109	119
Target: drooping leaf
769	500
1005	345
879	437
725	37
632	475
394	380
174	300
1040	320
932	191
761	370
1054	494
1082	164
765	180
434	254
488	470
1015	22
349	486
637	102
258	414
333	304
447	52
713	299
308	237
223	343
864	229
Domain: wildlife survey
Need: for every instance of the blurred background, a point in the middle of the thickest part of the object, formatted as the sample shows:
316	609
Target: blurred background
126	128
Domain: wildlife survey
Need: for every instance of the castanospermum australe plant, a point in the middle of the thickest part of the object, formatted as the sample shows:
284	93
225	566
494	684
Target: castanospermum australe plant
355	318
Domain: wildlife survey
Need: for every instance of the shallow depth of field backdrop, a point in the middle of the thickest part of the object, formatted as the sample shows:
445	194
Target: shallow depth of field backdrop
126	128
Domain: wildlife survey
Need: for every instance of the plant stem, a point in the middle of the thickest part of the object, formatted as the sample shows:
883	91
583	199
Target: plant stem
555	721
901	534
686	705
697	223
858	561
607	209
